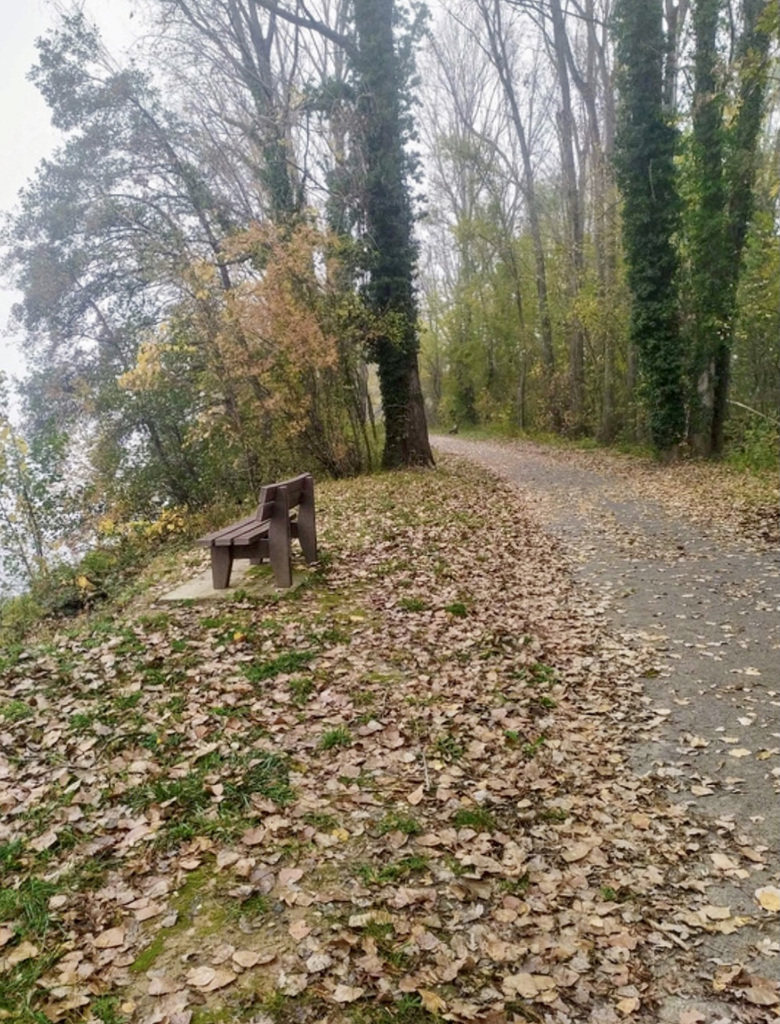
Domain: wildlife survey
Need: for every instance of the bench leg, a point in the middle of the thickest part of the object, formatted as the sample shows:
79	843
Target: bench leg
221	565
279	553
307	529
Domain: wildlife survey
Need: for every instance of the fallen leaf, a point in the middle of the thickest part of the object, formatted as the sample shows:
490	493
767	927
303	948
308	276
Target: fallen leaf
768	897
24	951
202	976
299	929
762	992
110	939
575	852
716	913
522	984
740	752
288	876
415	797
318	962
432	1003
246	958
627	1006
720	860
223	976
44	841
254	836
347	993
164	985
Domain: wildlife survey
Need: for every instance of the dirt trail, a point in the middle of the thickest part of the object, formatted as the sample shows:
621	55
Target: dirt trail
706	604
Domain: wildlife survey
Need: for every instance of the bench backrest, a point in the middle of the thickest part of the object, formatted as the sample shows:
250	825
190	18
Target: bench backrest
297	489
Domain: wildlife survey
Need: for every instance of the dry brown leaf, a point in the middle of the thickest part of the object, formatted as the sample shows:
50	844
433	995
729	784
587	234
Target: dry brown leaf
318	962
762	991
44	841
201	976
416	796
628	1006
223	976
768	897
347	993
110	939
163	985
246	958
299	929
716	913
288	876
432	1002
522	984
575	852
254	836
720	860
24	951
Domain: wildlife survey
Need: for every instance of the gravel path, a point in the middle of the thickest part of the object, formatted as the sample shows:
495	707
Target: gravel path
706	605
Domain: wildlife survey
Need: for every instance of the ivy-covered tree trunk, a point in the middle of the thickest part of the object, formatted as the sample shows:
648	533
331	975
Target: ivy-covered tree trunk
388	224
741	177
709	273
645	148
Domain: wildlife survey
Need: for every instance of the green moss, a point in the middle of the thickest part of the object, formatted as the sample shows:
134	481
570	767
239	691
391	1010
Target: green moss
147	956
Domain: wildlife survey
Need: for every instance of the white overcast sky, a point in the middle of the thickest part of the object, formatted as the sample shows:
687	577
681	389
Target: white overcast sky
26	135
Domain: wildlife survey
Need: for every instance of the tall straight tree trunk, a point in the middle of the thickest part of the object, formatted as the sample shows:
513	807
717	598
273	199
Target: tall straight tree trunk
573	203
708	236
388	222
741	176
491	16
724	162
645	155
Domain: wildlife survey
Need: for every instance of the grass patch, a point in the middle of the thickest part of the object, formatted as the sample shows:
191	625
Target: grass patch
458	609
392	873
412	604
186	799
10	853
106	1009
16	711
408	1010
28	906
448	748
338	737
477	818
394	822
301	688
287	663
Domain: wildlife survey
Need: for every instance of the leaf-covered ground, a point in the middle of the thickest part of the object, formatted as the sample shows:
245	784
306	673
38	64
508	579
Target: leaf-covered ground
399	792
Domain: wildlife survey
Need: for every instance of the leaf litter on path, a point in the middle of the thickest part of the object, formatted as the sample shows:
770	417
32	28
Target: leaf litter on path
402	789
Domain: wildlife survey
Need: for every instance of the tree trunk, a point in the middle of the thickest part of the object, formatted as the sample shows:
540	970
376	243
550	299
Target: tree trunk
573	205
497	39
741	176
388	224
725	172
646	148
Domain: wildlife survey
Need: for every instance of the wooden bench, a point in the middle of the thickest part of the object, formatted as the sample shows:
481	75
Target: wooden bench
267	533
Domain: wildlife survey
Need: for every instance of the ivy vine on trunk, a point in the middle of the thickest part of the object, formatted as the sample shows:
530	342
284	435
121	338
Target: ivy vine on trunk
645	151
